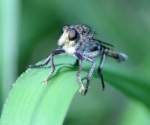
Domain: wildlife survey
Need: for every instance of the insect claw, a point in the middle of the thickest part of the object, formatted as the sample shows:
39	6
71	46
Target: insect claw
82	89
45	82
31	66
84	78
86	84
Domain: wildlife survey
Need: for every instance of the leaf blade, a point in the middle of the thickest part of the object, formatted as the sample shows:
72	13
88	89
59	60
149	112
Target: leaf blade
30	100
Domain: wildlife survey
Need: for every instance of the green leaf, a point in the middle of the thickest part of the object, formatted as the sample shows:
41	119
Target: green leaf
130	84
32	103
135	114
8	44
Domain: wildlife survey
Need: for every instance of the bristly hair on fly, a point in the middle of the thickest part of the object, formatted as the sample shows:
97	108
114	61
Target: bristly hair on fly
80	42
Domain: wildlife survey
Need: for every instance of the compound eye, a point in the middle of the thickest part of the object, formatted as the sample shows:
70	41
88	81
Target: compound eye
72	34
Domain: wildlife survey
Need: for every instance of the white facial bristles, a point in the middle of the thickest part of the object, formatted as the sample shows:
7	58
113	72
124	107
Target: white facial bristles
63	38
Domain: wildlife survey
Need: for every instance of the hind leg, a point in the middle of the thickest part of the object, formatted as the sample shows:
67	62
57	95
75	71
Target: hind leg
100	70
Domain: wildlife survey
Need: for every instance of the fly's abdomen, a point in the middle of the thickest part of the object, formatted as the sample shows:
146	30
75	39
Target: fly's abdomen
116	55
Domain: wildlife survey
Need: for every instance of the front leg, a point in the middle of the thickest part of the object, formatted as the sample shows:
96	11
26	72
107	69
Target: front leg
54	53
50	59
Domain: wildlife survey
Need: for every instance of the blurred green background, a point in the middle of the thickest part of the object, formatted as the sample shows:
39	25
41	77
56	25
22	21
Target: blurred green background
29	30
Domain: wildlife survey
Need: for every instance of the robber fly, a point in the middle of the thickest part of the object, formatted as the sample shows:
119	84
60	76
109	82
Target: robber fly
80	42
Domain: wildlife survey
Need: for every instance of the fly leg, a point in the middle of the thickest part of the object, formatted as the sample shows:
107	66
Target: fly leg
100	70
82	88
54	53
89	76
46	61
49	59
76	62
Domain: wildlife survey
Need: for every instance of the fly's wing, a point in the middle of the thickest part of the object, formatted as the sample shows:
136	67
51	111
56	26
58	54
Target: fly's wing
107	45
109	51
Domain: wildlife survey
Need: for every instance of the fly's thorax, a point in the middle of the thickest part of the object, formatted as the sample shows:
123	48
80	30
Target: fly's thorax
93	54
